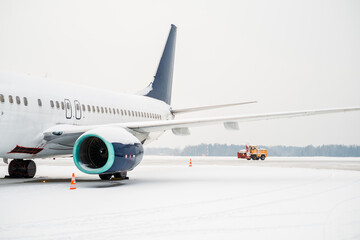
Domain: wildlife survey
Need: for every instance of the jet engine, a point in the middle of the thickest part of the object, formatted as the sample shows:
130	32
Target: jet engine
107	150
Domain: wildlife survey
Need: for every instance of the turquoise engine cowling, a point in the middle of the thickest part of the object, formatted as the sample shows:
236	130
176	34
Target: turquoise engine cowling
107	150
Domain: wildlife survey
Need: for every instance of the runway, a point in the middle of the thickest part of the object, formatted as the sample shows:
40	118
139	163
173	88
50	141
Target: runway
216	198
349	163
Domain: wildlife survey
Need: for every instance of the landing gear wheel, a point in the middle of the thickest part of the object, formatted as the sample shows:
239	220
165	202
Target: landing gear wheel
19	168
15	167
121	175
262	157
105	176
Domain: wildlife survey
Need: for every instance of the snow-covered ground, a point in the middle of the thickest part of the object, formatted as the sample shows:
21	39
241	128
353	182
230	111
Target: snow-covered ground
166	199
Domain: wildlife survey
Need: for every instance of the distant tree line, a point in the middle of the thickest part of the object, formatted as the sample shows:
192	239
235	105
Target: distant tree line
231	150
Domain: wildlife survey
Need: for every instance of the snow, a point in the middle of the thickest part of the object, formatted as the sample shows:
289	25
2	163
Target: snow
167	199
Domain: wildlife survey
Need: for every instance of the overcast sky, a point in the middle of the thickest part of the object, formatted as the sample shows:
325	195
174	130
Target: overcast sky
287	55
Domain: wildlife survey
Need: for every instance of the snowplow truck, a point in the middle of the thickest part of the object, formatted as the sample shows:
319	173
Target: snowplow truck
253	152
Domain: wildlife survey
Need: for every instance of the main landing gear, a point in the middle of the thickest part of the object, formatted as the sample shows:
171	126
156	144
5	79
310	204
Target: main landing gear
117	176
19	168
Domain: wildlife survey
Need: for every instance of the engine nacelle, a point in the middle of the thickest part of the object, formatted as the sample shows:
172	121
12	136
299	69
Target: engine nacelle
107	150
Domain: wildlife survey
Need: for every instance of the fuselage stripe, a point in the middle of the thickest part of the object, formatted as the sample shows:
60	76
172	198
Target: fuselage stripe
26	150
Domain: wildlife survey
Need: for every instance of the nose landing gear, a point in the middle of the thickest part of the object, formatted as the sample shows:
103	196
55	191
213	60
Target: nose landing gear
19	168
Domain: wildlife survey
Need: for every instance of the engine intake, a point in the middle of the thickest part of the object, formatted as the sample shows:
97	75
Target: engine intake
107	150
93	152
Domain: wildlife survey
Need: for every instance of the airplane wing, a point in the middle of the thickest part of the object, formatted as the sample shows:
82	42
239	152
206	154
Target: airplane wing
67	134
229	120
196	109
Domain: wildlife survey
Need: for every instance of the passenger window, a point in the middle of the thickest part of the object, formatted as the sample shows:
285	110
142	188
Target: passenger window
18	100
62	105
102	110
97	108
89	108
129	113
68	106
93	108
83	108
52	103
114	110
57	104
25	101
77	107
11	100
106	111
132	113
39	102
2	98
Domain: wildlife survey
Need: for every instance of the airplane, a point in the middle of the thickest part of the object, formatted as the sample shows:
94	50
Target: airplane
104	131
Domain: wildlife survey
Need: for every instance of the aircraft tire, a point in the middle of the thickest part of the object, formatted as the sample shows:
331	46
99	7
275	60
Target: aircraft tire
15	168
29	169
105	176
121	175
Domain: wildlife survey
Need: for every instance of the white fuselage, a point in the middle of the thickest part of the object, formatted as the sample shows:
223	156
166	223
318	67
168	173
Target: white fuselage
29	106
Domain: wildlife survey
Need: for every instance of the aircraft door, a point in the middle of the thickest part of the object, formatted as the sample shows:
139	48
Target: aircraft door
77	110
68	109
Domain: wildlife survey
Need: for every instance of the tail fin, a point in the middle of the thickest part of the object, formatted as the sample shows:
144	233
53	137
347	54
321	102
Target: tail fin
161	87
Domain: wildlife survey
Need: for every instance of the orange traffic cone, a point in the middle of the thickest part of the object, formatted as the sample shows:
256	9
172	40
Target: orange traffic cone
73	182
190	163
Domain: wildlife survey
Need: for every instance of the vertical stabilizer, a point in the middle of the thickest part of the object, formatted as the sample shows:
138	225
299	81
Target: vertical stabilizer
161	87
